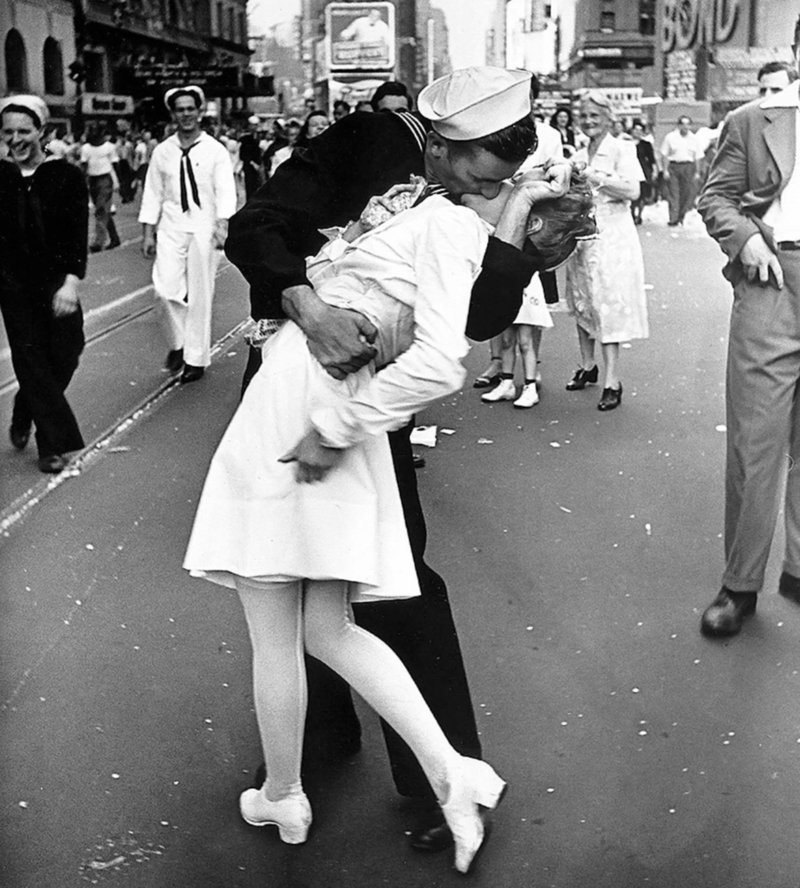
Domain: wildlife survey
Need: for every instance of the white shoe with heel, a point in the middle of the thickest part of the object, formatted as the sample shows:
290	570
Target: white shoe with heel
291	815
474	788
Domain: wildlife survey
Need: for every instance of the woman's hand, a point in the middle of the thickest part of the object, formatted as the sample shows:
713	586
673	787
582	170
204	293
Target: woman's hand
314	460
65	299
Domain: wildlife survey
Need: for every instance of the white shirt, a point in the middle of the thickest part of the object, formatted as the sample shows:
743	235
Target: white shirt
549	148
412	277
99	159
681	149
784	211
211	165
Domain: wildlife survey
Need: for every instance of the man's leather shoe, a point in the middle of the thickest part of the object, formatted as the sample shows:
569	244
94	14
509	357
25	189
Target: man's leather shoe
52	464
19	436
192	373
432	837
726	613
174	360
789	587
419	461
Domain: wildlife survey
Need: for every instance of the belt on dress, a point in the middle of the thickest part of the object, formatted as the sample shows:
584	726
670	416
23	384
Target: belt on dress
789	245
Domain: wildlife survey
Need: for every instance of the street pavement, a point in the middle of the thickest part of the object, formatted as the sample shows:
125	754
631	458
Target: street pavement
579	548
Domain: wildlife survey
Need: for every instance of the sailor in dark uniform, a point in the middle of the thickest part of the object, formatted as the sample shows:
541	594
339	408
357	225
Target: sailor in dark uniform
325	185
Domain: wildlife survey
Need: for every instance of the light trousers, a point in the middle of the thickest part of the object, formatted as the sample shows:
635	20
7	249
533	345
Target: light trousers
763	419
184	273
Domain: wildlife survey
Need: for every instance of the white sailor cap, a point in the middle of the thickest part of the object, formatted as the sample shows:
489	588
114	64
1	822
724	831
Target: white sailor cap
191	90
475	102
33	104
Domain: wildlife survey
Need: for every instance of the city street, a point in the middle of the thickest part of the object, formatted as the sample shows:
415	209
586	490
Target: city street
579	549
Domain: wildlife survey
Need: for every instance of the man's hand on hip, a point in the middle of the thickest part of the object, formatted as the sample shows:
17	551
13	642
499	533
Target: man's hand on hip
340	339
758	260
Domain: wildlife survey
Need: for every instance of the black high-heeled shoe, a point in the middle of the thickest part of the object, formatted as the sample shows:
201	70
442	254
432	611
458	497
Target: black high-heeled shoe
611	398
582	378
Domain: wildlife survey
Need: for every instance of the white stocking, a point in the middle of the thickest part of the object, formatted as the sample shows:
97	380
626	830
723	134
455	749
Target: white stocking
274	619
377	674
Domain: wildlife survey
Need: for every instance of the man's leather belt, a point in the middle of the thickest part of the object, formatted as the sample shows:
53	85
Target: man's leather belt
789	245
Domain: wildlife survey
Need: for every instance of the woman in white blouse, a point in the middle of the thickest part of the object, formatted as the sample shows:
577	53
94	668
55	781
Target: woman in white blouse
605	277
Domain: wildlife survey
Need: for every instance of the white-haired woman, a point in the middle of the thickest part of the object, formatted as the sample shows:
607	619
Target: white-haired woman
605	277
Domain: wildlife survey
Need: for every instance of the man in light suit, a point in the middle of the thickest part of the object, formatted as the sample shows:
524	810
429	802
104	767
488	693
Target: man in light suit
751	206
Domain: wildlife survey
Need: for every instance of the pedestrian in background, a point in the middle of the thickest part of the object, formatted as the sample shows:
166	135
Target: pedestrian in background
99	161
645	154
340	109
189	195
291	132
315	123
392	96
561	122
250	157
605	277
44	219
751	207
681	155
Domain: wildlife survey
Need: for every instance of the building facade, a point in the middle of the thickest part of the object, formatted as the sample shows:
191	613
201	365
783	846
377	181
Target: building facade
113	59
712	49
38	40
614	46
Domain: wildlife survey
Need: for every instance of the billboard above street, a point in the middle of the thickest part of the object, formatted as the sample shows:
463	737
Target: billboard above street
360	36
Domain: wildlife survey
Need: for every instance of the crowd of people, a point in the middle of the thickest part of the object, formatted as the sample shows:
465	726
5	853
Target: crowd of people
374	249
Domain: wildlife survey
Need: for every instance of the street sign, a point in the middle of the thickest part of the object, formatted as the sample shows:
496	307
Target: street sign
154	79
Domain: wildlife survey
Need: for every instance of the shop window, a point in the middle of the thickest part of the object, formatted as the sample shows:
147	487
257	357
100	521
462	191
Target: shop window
53	68
16	63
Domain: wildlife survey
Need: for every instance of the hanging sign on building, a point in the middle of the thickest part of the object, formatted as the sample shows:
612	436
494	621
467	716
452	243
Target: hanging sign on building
102	104
360	36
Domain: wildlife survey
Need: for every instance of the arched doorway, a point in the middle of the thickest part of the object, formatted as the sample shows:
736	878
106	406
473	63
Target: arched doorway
16	62
53	67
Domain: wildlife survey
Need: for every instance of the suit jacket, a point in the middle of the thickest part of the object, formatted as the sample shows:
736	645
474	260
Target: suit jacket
754	161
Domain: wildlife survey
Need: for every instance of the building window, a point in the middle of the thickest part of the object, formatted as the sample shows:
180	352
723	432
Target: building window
53	68
242	28
16	63
608	20
231	24
647	17
219	19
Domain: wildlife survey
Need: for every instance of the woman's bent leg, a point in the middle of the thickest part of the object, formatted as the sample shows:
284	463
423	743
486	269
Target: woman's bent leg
376	673
462	785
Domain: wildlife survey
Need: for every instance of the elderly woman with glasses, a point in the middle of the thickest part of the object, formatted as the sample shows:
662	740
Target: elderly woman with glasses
605	277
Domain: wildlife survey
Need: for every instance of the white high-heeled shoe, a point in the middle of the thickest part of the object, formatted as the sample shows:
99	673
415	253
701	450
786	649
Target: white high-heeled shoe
474	788
291	815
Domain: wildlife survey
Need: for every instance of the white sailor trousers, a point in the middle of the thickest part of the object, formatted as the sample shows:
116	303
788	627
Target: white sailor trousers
184	273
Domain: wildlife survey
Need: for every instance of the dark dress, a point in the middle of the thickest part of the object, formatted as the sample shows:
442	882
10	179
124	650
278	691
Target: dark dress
43	237
326	184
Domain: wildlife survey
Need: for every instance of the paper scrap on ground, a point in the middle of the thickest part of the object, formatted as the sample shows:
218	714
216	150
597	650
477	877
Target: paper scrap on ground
424	435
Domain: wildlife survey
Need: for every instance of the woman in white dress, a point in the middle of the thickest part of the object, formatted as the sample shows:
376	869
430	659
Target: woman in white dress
299	554
605	277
